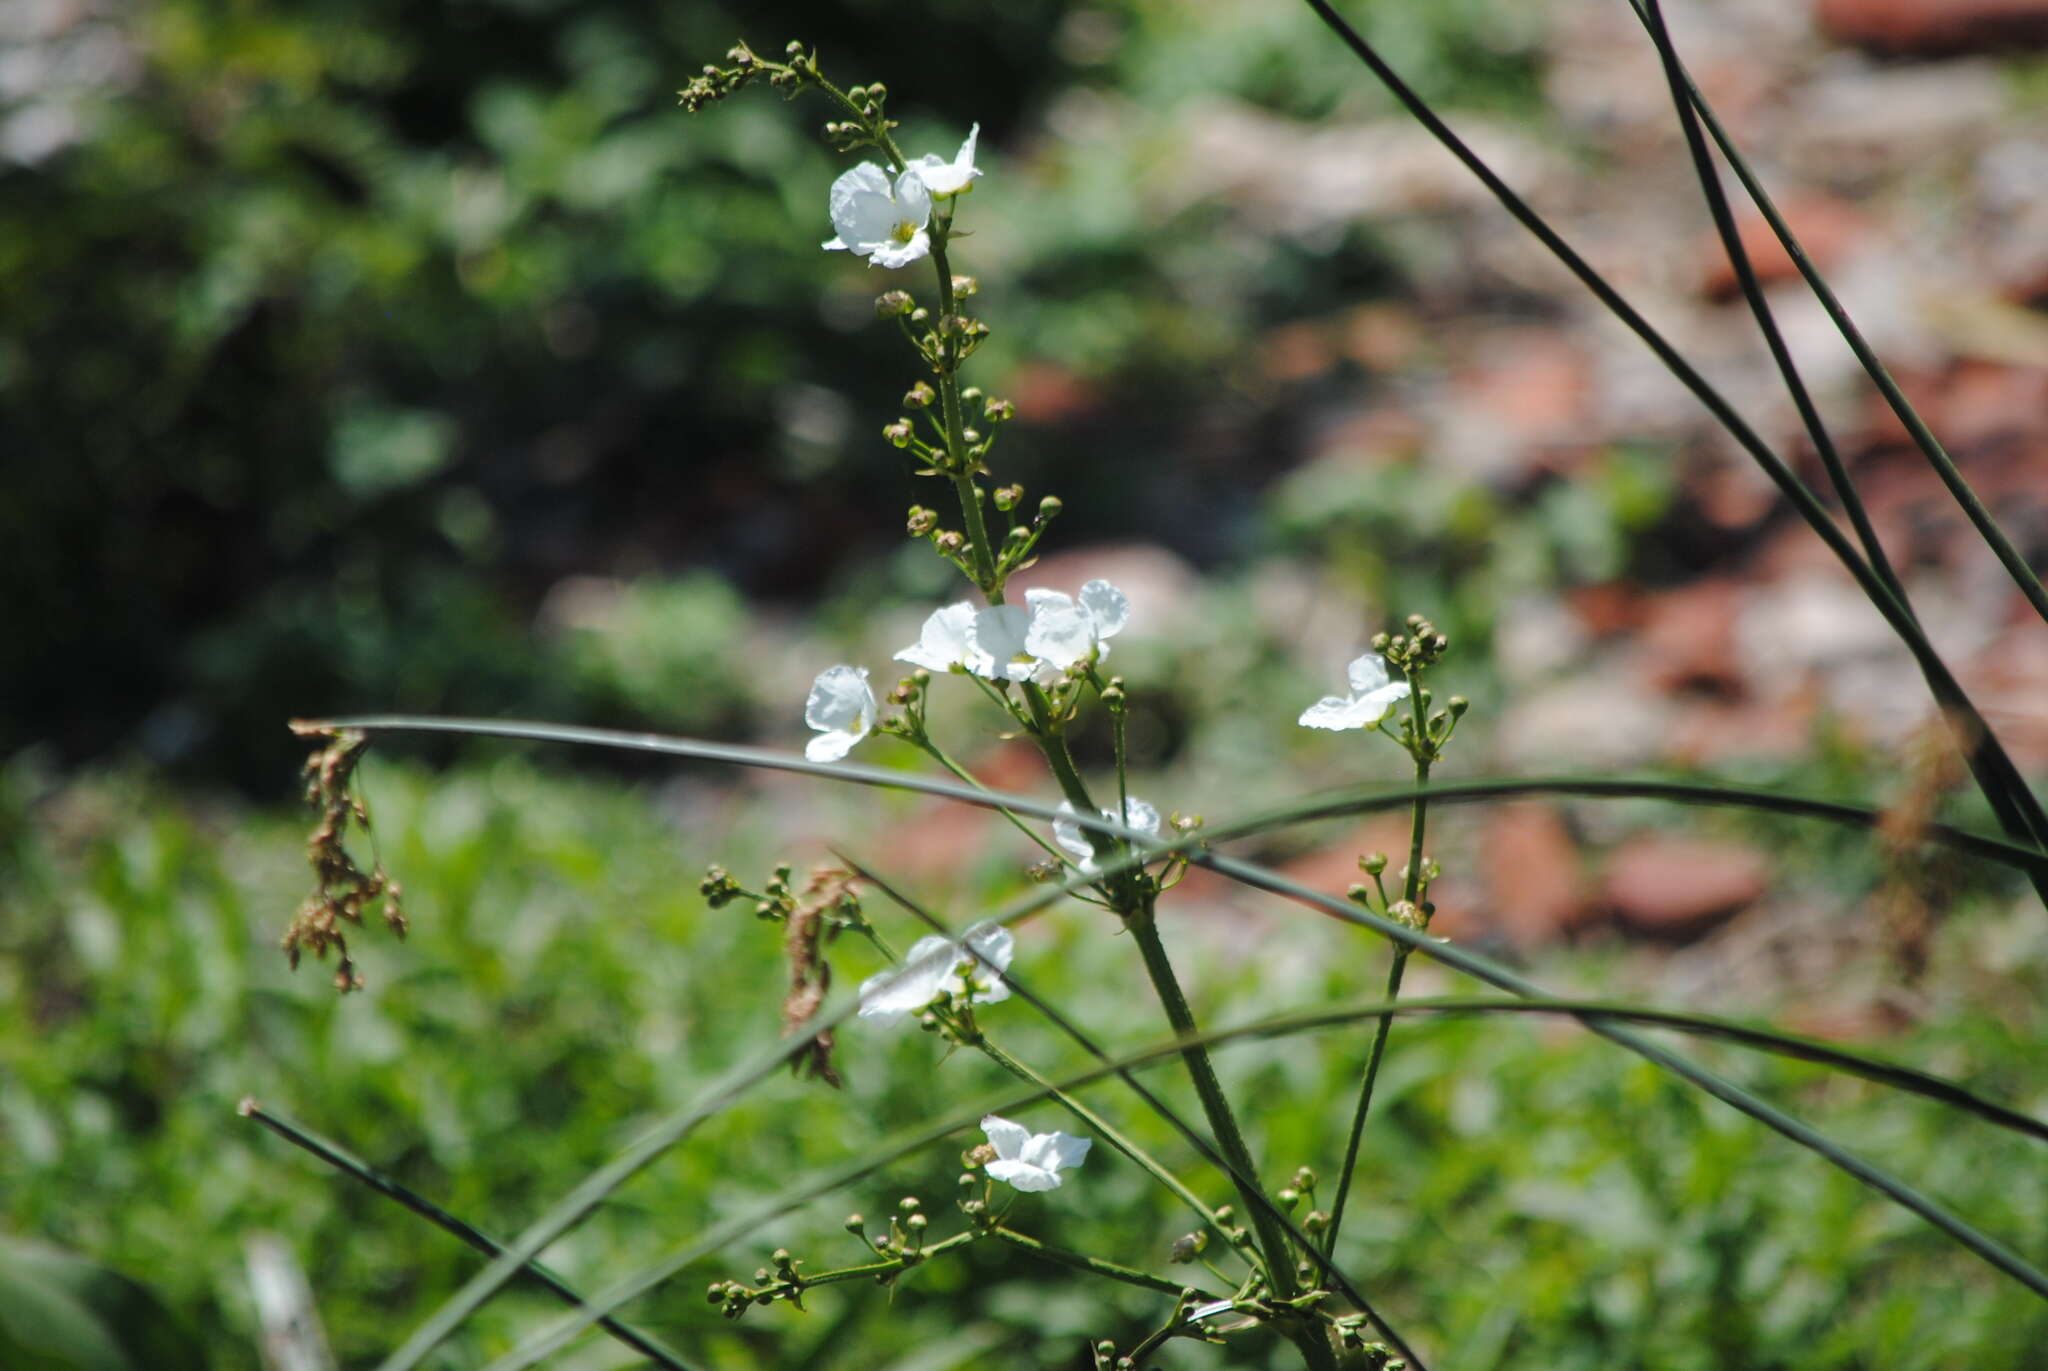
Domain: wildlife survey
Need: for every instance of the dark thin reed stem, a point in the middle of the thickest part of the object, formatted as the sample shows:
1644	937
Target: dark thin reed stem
1923	437
2019	811
447	1222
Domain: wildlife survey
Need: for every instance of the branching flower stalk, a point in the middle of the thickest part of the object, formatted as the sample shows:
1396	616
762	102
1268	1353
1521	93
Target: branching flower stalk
1423	735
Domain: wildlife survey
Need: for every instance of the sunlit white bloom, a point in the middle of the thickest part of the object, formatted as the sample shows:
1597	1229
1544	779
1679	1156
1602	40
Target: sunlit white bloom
842	708
1372	695
941	177
969	970
1069	834
947	641
999	634
1031	1161
882	223
1065	630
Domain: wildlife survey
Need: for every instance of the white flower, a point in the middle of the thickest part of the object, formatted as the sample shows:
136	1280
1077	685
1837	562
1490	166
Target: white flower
999	634
1031	1161
884	225
1372	695
941	177
935	966
842	708
947	641
1065	630
1069	834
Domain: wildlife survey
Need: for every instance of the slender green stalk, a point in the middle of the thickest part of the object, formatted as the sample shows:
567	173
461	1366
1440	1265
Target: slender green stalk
1331	805
433	1213
2018	810
1272	1238
1093	1265
1418	820
1923	437
962	474
931	749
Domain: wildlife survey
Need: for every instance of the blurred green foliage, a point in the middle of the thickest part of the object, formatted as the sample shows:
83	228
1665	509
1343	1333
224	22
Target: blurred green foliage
337	335
1531	1197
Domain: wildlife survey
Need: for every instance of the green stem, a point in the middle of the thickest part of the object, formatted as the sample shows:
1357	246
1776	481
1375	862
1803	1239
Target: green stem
887	1264
931	749
1093	1265
1144	927
1108	1132
961	472
1418	819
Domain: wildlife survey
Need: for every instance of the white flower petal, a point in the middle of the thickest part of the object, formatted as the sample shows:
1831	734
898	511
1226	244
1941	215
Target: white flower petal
893	254
913	198
863	209
842	708
1023	1175
1368	673
1007	1138
888	995
1069	834
984	975
1069	1151
1060	634
998	634
946	641
950	178
1331	712
1109	607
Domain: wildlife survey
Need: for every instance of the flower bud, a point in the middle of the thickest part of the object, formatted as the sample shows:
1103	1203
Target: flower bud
1017	537
1288	1198
916	1223
1009	497
857	94
971	396
795	49
950	542
909	1204
855	1223
1457	705
1000	411
919	396
922	521
1316	1221
1373	863
966	285
898	433
891	304
1379	642
919	315
970	435
1050	507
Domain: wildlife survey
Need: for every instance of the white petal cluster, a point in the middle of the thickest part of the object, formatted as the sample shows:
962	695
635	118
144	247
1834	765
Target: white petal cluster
1066	629
1372	695
1031	1161
1037	642
842	708
889	222
969	970
1069	834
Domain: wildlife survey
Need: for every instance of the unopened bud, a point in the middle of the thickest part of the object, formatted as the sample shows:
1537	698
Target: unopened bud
1009	497
1050	507
1000	411
855	1223
1372	864
966	285
1379	642
898	433
922	521
950	542
795	49
1017	537
919	315
970	435
1457	705
909	1204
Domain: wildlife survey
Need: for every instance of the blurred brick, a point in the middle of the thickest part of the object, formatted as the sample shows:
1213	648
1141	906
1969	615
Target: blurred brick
1825	226
1535	888
1678	888
1934	28
1688	639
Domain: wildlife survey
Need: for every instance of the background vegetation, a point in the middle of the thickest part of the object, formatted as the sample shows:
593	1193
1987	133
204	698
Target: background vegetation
426	357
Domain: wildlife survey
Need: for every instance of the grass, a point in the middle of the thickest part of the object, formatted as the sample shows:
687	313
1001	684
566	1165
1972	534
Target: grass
1530	1196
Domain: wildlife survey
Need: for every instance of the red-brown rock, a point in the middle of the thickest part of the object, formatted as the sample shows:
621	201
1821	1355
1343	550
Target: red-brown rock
1934	28
1825	226
1678	888
1535	888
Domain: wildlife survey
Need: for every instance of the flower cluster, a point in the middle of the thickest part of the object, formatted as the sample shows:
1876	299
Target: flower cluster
887	222
1040	641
